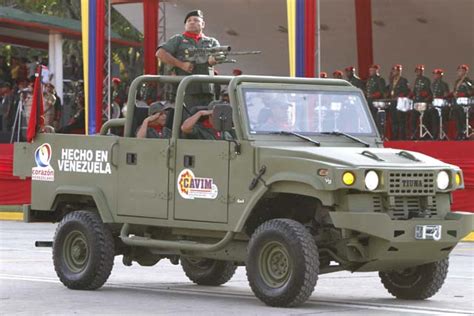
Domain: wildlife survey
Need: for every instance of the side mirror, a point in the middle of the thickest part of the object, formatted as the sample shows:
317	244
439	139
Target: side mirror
222	117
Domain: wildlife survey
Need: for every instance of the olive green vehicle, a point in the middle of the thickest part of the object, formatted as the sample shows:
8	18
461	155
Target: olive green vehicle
304	188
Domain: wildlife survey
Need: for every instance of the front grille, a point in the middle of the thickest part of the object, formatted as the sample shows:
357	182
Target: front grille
411	183
405	207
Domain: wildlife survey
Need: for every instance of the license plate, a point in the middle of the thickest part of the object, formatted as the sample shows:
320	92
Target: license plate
428	232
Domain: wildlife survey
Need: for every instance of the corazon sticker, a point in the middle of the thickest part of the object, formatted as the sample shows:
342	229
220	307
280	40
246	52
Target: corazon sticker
190	187
43	170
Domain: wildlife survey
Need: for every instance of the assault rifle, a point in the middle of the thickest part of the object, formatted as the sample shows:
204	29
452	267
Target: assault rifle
220	53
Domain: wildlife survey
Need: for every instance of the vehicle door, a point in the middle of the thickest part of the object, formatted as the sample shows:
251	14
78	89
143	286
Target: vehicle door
143	177
201	180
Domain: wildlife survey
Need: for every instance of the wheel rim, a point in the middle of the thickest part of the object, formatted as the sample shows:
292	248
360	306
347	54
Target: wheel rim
75	251
275	264
406	278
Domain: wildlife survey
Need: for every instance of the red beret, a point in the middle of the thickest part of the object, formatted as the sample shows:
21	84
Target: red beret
349	68
374	66
420	67
337	73
438	71
323	74
236	72
116	80
464	67
397	67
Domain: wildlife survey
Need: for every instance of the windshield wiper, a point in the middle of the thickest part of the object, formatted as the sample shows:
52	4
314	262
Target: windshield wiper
348	136
297	135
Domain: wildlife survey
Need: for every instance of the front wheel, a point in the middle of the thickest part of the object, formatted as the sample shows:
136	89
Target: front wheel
417	283
83	251
283	263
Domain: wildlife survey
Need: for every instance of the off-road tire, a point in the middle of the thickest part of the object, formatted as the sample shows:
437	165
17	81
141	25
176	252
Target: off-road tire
416	283
274	243
208	271
83	251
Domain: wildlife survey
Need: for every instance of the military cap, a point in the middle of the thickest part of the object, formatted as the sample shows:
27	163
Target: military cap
463	67
158	106
323	74
438	71
420	67
116	80
374	66
197	13
397	67
337	73
350	68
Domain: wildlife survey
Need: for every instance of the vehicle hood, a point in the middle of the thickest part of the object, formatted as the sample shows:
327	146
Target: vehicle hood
354	157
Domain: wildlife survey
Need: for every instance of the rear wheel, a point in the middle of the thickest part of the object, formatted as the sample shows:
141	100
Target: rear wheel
83	251
417	283
283	264
208	271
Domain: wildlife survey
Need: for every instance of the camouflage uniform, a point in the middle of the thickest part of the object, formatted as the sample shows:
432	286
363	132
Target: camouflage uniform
151	132
356	82
375	89
203	130
462	88
198	93
422	93
398	88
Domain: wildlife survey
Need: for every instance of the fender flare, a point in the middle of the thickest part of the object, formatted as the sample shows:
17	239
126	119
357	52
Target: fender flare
94	192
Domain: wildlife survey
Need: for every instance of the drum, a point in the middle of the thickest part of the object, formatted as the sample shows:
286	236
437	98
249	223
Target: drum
404	104
381	105
439	102
420	106
462	101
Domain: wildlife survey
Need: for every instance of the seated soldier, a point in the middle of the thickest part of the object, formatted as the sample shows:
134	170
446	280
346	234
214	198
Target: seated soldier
154	125
200	126
275	117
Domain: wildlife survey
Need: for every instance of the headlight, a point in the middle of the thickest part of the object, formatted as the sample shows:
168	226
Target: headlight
348	178
458	179
442	180
371	180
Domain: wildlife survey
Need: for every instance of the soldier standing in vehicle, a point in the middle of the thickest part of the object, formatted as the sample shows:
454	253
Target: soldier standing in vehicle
422	93
462	89
398	88
353	78
440	90
375	88
173	53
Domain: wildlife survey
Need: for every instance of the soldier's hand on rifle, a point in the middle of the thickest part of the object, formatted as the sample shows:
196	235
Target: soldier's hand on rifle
187	66
212	61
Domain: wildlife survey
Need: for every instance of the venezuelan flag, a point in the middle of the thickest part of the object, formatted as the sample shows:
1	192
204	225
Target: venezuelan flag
301	16
92	20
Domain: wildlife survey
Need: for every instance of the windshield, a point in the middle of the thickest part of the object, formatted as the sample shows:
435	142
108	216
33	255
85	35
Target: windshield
306	112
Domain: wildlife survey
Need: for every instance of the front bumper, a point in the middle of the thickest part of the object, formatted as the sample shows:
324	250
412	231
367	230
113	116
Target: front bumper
392	244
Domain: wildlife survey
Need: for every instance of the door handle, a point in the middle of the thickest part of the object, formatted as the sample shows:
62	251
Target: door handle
188	161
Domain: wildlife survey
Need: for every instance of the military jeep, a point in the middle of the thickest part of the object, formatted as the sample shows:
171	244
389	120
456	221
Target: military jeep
303	188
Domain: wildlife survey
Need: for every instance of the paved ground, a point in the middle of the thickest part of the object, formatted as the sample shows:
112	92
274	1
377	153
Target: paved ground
28	285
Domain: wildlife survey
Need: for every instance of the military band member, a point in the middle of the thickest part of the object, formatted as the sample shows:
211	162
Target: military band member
422	93
375	87
337	74
398	88
440	90
173	53
353	78
462	88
